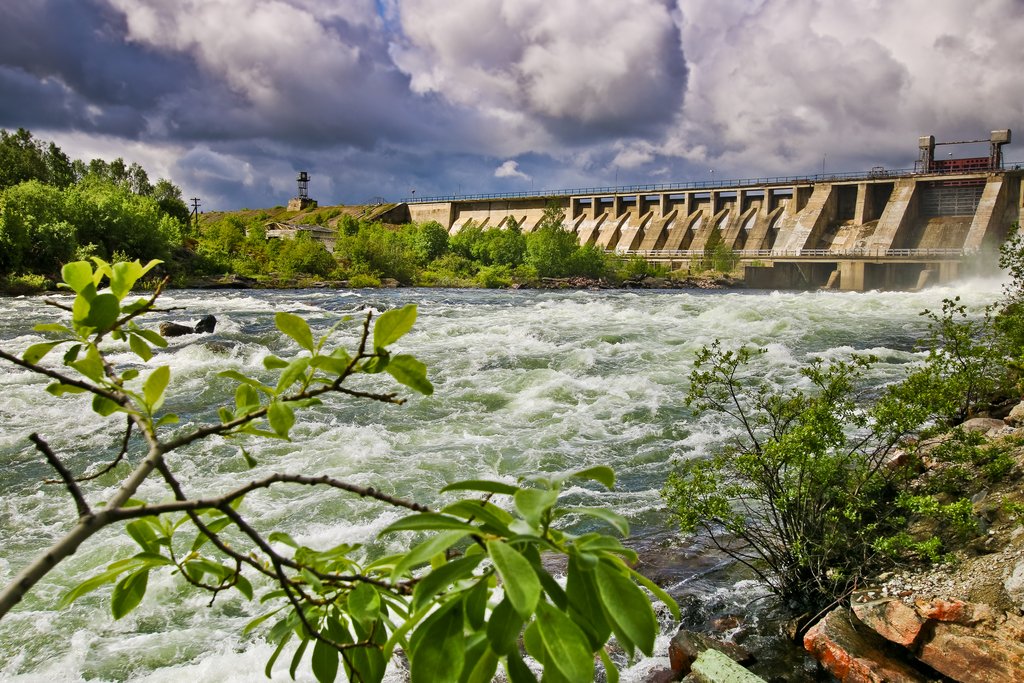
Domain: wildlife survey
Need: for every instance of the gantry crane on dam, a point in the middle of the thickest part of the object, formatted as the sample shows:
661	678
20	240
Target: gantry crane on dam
889	229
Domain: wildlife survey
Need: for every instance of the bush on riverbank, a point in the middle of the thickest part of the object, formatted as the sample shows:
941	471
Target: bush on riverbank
818	488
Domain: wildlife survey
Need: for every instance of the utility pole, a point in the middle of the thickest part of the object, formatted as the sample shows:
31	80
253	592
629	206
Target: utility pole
195	214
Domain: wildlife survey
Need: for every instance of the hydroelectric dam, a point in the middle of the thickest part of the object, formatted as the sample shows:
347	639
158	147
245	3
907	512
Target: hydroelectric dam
882	229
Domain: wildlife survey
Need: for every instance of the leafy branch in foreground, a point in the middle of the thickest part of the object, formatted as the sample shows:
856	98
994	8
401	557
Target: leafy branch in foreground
470	595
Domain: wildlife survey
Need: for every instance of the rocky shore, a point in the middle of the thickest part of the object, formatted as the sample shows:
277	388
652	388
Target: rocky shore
959	620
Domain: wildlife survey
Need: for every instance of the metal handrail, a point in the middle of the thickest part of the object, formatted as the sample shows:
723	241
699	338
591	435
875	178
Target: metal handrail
801	253
697	185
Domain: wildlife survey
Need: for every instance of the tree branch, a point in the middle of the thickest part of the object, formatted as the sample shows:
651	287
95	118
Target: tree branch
65	475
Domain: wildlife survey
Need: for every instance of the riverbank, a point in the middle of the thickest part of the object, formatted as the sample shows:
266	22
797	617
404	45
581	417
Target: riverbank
35	285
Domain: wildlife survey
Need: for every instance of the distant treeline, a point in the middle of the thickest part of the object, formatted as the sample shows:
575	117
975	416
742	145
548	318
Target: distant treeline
366	252
54	210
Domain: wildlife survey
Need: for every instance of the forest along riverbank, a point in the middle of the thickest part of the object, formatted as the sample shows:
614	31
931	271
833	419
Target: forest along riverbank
525	381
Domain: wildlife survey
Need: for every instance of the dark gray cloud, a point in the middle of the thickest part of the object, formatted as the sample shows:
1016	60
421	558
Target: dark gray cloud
378	97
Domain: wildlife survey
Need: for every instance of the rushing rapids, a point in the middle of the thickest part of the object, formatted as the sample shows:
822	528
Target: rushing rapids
524	381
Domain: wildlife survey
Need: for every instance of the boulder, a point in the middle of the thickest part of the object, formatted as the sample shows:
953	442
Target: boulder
855	655
891	619
686	646
175	330
982	424
205	325
714	667
1014	584
1016	416
966	641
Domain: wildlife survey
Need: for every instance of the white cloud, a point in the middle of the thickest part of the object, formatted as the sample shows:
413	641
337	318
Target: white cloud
568	66
510	169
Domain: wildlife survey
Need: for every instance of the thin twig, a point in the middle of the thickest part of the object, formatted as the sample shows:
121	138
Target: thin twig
65	474
64	379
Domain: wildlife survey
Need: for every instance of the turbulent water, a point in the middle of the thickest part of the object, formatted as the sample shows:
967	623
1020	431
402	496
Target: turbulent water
524	381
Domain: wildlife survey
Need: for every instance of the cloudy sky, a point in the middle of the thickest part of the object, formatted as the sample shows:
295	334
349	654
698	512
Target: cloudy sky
230	98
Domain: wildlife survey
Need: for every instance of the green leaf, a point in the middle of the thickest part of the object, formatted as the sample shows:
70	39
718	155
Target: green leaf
484	669
274	363
520	581
152	337
243	586
143	533
283	538
281	417
627	607
611	671
325	661
672	605
296	328
439	579
581	591
91	365
410	372
297	658
292	373
128	593
91	584
52	327
426	550
392	325
517	670
214	526
37	352
168	419
364	604
439	654
102	405
482	485
139	347
534	503
239	377
59	389
249	460
503	628
428	521
334	364
103	312
155	385
604	514
602	474
492	518
77	275
246	398
565	643
123	276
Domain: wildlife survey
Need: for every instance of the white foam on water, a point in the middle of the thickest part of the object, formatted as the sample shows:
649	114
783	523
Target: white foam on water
524	382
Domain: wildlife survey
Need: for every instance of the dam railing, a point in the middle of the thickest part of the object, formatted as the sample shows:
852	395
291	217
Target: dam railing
802	253
740	184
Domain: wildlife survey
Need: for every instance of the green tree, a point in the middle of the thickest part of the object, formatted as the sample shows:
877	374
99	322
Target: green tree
21	158
34	234
439	602
304	255
431	241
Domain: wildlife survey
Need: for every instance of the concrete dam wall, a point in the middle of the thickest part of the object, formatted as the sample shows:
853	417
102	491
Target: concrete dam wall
854	233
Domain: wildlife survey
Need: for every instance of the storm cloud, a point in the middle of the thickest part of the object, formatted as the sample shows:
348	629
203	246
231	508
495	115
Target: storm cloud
230	98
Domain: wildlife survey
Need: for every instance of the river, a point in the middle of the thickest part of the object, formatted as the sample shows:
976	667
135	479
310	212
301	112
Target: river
525	381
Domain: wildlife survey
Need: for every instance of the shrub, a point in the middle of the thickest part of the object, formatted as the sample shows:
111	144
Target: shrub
494	277
804	485
363	280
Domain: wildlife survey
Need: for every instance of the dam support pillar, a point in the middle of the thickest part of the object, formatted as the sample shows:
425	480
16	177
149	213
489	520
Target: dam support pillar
851	276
